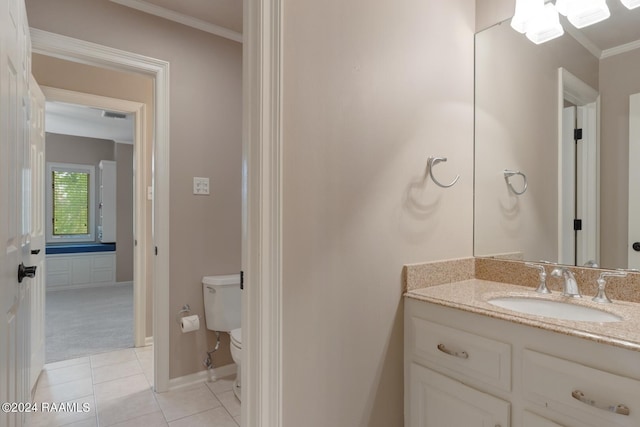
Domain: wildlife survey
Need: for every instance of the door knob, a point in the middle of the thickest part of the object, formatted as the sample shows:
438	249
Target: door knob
26	272
636	246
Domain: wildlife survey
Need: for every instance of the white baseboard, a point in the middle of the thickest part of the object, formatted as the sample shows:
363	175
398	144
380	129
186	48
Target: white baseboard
127	283
88	285
148	341
202	376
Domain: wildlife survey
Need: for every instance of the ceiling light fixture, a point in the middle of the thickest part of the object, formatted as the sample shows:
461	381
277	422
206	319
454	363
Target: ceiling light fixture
539	20
525	11
631	4
582	13
545	25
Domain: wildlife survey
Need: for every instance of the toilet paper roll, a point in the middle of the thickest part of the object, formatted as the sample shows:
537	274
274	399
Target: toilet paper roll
190	323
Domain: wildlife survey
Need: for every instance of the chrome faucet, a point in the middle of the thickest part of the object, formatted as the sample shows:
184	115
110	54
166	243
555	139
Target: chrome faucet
570	287
542	277
601	296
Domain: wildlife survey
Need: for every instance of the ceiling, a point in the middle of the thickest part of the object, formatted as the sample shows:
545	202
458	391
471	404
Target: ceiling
622	27
224	13
220	17
78	120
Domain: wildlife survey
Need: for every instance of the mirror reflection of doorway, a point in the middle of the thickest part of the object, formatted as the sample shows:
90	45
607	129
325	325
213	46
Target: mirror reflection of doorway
578	200
633	247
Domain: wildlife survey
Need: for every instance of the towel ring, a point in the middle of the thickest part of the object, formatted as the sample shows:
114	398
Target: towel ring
508	174
431	162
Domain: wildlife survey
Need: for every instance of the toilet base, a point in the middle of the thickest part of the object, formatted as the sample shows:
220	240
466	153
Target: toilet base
237	385
237	390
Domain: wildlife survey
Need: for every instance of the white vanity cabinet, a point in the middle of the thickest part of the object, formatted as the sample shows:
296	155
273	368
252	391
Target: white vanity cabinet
465	369
437	400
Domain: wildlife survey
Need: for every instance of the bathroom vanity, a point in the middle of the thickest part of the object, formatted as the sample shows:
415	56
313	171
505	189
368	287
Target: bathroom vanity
469	363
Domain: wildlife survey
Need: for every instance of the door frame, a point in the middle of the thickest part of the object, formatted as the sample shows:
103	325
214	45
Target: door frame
75	50
262	229
140	194
633	232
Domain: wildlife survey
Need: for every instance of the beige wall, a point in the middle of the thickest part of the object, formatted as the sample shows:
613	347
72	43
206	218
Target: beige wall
490	12
205	114
371	89
516	128
77	149
618	79
67	75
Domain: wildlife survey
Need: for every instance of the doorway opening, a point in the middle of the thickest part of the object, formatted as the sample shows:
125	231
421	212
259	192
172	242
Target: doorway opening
95	301
82	52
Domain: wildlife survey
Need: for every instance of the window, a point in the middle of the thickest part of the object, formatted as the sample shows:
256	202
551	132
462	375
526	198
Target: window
70	202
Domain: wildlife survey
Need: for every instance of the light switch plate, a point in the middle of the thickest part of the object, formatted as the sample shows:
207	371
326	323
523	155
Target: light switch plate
200	185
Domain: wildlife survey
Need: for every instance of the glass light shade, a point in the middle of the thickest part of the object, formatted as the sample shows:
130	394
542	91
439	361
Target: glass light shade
562	6
582	13
545	25
525	11
631	4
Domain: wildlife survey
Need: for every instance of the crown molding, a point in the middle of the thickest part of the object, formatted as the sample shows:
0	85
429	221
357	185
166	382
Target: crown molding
180	18
620	49
583	40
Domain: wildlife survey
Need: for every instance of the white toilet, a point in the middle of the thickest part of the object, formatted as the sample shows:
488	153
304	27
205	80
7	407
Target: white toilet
223	311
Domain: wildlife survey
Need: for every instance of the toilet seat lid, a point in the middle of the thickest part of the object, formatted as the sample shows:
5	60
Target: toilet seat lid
236	336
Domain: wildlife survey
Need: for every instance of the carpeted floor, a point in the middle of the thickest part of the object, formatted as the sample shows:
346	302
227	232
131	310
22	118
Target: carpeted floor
81	322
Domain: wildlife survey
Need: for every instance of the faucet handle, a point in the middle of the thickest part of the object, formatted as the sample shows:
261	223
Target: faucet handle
542	278
601	296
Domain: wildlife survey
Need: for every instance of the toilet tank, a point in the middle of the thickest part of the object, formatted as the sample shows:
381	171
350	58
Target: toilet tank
222	302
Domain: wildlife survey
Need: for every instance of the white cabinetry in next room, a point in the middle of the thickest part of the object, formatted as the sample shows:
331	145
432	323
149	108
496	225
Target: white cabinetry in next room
107	202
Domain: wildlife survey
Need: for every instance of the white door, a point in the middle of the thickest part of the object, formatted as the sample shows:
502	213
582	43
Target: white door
439	401
36	257
579	187
587	179
634	182
14	208
567	188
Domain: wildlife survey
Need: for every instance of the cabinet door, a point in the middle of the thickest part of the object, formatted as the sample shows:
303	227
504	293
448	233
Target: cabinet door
439	401
532	420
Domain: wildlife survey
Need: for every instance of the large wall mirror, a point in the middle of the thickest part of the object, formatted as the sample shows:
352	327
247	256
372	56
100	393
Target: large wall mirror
544	191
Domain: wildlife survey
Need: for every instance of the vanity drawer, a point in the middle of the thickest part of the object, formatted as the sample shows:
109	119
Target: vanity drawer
565	386
461	354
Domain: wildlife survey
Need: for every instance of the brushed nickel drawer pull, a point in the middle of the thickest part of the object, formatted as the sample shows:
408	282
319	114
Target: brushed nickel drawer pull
617	409
460	354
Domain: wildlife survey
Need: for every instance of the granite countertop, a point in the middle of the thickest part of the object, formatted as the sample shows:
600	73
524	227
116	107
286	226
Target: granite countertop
472	295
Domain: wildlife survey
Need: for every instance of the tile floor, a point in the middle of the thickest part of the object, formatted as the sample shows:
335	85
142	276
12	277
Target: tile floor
117	388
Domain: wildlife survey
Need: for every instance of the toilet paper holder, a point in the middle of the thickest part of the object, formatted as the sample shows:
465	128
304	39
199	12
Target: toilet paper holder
185	310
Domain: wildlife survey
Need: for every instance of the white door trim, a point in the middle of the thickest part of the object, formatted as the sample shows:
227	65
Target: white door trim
140	224
262	215
84	52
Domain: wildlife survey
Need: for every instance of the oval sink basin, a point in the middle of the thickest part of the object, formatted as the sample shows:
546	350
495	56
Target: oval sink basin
555	309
